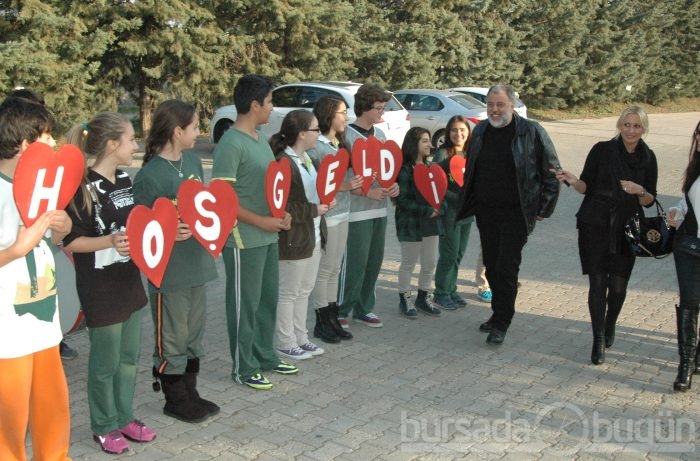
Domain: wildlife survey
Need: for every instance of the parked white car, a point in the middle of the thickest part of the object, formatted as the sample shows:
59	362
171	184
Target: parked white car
479	93
303	95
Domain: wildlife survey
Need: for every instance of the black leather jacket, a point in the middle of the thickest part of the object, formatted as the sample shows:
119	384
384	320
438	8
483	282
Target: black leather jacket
534	155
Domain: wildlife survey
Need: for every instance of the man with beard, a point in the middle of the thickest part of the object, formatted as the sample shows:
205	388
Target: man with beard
508	187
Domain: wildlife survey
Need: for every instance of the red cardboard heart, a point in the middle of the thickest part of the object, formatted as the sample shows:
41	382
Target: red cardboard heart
278	180
331	174
151	233
431	182
365	161
458	165
211	212
46	180
390	161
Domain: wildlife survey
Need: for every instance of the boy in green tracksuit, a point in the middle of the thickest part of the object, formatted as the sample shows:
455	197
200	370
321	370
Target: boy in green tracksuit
251	254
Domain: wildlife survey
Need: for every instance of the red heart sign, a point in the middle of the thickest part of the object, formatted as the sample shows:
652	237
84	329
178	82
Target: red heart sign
390	161
331	174
365	161
46	180
210	212
278	181
458	165
431	182
151	233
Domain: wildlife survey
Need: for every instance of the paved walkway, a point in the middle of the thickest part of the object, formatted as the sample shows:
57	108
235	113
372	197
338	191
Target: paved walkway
431	388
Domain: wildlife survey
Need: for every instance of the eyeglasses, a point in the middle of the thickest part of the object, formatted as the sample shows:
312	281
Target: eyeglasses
379	109
317	130
344	112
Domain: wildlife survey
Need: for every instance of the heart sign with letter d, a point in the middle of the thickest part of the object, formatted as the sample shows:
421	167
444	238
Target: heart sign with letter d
331	174
278	181
390	161
151	233
431	182
46	180
210	212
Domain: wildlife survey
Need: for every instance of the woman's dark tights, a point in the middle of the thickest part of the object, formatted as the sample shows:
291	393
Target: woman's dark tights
606	290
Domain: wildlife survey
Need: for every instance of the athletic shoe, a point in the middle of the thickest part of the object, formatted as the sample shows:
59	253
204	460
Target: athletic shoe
371	320
444	302
343	322
137	431
295	353
112	442
285	368
458	300
258	382
312	349
67	352
485	295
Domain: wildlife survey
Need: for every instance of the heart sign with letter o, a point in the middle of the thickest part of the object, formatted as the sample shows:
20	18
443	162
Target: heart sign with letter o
278	181
331	174
458	166
151	233
390	161
211	212
431	182
365	161
46	180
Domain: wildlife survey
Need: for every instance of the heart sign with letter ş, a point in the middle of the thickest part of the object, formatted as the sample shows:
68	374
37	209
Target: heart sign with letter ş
46	180
151	233
431	182
278	181
458	166
211	212
331	174
372	159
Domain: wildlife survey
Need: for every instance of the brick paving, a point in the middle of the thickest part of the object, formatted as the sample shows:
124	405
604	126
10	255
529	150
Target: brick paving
432	388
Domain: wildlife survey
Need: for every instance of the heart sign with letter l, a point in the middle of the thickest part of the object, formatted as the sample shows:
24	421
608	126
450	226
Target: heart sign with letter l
46	180
390	161
458	165
431	182
365	160
211	212
278	181
151	233
331	174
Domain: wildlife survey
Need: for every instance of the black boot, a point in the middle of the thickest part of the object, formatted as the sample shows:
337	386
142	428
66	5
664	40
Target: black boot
333	319
425	306
596	308
406	306
598	350
687	324
697	357
178	403
610	322
190	379
323	329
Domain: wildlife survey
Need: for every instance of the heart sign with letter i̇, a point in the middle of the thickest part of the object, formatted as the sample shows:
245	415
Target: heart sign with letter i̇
331	174
431	182
46	180
390	161
365	160
278	181
211	212
458	165
151	233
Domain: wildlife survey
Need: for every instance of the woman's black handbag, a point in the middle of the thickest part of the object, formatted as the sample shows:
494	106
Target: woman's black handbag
650	236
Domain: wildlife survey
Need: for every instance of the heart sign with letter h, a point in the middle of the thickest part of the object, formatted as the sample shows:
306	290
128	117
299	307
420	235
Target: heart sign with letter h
278	181
46	180
151	233
458	165
211	212
331	174
431	182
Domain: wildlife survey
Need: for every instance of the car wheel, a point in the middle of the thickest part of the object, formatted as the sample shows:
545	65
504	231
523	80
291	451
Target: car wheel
439	138
221	127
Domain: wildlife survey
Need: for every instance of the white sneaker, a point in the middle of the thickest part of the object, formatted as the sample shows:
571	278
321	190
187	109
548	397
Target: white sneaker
295	353
312	349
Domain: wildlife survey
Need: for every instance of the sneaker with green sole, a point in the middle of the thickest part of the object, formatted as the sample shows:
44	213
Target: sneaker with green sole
258	382
285	368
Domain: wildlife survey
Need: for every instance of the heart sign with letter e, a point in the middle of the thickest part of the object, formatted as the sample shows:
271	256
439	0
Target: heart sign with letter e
211	212
458	165
331	174
46	180
151	233
278	181
431	182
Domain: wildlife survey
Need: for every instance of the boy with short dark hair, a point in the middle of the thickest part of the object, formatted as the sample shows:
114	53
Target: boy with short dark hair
33	389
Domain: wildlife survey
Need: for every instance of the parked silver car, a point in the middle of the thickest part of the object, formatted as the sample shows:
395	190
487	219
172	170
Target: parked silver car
303	95
431	109
479	92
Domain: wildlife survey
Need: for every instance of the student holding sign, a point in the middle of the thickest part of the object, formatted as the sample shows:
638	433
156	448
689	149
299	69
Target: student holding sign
179	304
109	284
418	226
32	382
364	251
332	116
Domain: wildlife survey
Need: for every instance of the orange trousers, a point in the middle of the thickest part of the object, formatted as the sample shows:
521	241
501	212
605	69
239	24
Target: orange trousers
34	393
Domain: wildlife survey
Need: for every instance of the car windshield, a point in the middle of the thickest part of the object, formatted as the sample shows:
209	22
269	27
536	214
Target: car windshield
467	101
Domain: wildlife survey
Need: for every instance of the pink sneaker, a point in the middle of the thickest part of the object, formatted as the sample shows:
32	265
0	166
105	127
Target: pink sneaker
343	323
112	442
138	432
